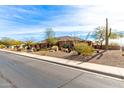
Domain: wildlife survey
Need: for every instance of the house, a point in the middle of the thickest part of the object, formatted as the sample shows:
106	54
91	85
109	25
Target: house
68	40
62	41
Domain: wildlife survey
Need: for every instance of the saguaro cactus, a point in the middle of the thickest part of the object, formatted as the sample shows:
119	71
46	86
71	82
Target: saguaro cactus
107	35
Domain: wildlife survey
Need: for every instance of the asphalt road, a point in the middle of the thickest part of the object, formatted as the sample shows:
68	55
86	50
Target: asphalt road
23	72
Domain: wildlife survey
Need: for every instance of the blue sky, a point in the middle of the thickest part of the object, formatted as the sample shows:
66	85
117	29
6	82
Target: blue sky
25	22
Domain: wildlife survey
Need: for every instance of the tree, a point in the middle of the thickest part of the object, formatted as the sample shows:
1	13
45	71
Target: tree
50	36
2	46
9	42
52	41
6	41
16	42
30	41
104	33
49	33
99	35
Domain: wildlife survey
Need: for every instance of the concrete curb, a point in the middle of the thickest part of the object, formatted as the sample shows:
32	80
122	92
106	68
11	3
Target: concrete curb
96	68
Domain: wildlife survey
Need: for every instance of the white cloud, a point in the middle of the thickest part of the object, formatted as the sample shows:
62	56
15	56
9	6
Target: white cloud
85	18
38	29
95	15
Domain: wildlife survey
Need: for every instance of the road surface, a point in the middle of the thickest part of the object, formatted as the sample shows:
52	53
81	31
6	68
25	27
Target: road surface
23	72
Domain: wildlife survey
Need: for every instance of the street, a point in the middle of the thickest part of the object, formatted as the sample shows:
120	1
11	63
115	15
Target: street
23	72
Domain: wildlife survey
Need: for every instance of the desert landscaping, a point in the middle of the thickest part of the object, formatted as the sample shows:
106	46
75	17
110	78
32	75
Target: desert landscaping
99	51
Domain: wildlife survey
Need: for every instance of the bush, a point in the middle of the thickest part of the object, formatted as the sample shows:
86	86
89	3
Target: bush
2	46
52	41
84	49
65	46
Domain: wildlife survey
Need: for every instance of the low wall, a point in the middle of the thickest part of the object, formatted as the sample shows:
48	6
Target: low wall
110	47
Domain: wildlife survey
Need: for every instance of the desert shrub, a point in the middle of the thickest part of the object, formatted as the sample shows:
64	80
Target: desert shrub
2	46
66	46
55	48
52	41
84	49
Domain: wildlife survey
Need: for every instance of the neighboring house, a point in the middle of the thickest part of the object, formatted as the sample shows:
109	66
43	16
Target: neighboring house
71	40
68	40
40	45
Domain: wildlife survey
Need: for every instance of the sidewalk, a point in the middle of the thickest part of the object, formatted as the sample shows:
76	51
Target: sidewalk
102	69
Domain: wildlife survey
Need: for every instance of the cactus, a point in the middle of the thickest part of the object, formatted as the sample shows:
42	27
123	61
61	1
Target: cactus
109	32
107	35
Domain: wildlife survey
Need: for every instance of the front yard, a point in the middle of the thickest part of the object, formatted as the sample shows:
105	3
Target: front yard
110	57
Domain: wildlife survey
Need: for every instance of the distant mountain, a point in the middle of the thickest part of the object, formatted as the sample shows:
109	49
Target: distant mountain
65	38
120	32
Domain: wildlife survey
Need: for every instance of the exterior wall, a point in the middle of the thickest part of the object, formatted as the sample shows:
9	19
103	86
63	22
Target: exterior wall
39	46
59	44
109	47
88	42
43	45
62	43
